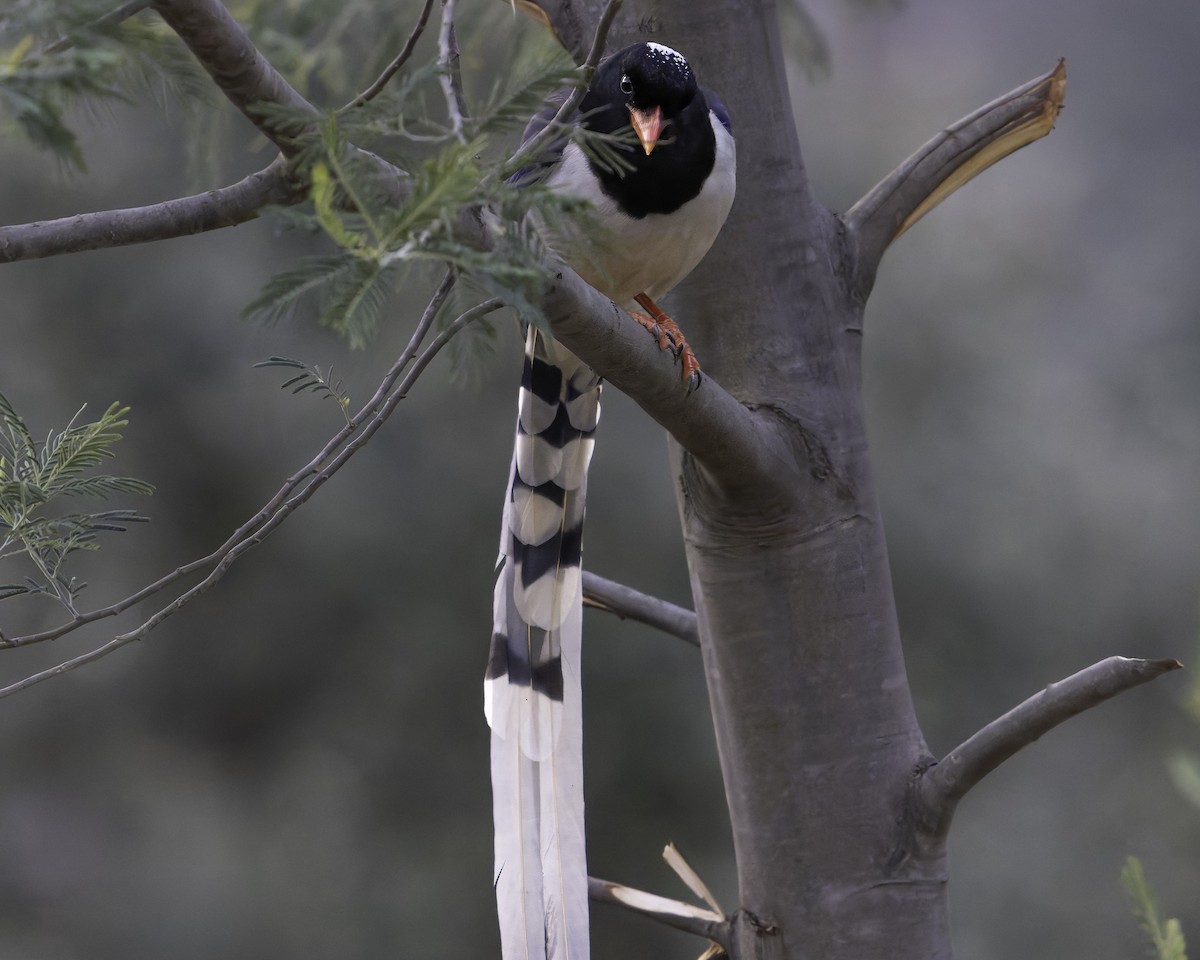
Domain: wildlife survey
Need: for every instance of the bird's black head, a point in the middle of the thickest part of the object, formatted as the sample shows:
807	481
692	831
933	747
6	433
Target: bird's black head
651	88
635	82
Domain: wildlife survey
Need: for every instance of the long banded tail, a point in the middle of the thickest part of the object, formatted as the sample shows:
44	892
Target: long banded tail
532	689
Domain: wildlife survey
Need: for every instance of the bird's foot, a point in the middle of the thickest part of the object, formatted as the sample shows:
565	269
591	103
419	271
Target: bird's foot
666	331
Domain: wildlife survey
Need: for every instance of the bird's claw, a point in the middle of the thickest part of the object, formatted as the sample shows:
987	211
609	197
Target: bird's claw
669	337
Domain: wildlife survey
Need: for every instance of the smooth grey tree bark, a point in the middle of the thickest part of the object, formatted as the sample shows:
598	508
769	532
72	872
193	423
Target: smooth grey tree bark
839	813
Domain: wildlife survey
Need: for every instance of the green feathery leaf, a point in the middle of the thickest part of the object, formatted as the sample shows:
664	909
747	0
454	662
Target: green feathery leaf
33	477
301	287
311	379
1165	937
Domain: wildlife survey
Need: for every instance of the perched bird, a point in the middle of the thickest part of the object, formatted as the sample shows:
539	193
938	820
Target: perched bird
659	217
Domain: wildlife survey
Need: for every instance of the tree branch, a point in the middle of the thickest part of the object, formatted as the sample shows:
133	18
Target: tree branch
941	786
674	913
956	155
181	217
738	447
296	491
243	74
450	75
741	450
538	142
390	70
631	604
572	23
126	10
248	80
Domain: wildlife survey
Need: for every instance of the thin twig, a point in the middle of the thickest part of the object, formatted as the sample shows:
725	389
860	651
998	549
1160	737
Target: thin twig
390	70
110	19
534	146
450	75
287	500
289	487
674	913
631	604
223	48
942	785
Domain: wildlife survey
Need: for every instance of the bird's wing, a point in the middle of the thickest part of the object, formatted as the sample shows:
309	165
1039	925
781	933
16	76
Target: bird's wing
539	166
717	106
532	695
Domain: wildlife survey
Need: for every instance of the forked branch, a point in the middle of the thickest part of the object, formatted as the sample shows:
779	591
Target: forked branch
956	155
731	442
400	59
227	53
674	913
296	491
944	784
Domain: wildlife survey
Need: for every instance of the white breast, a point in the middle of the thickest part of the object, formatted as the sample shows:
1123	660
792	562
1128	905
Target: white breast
653	254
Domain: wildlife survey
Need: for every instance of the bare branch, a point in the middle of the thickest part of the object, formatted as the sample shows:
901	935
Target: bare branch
537	143
248	81
451	76
390	70
242	73
224	49
944	784
289	487
674	913
676	861
294	493
956	155
181	217
571	23
110	19
739	448
631	604
731	442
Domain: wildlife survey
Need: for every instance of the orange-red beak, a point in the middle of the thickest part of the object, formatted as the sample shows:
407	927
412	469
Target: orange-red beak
648	124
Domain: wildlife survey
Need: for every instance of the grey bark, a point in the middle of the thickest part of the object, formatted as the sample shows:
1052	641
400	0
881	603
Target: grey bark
818	741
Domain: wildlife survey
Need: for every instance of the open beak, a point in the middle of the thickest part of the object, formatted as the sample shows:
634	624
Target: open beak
648	124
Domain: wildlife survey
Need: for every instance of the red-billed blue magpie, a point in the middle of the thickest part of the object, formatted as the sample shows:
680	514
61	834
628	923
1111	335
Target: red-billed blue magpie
658	215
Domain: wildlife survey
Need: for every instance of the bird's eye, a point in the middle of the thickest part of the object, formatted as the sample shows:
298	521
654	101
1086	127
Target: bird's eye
626	85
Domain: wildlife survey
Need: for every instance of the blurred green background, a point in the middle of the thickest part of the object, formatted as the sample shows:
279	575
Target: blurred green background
296	765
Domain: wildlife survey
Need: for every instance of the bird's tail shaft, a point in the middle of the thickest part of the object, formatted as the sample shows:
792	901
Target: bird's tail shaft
532	690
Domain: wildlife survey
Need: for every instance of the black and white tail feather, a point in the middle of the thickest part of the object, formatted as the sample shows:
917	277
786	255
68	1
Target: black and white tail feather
532	694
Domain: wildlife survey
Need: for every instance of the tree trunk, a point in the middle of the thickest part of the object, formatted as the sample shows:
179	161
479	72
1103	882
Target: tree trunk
818	741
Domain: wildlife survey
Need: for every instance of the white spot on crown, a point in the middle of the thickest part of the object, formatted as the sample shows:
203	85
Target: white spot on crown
663	52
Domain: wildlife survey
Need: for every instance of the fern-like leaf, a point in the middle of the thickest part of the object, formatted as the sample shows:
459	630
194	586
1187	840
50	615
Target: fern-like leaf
32	479
306	284
311	379
1165	938
357	302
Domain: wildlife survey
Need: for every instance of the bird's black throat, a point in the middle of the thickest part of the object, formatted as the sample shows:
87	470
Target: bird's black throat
670	176
675	170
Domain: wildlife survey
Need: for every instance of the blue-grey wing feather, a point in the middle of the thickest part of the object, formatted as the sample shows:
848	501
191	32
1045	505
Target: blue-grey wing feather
717	106
539	166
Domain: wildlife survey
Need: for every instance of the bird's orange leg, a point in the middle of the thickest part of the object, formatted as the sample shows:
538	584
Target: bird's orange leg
669	337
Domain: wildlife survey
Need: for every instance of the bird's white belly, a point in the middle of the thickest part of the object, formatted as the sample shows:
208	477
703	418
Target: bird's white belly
650	255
